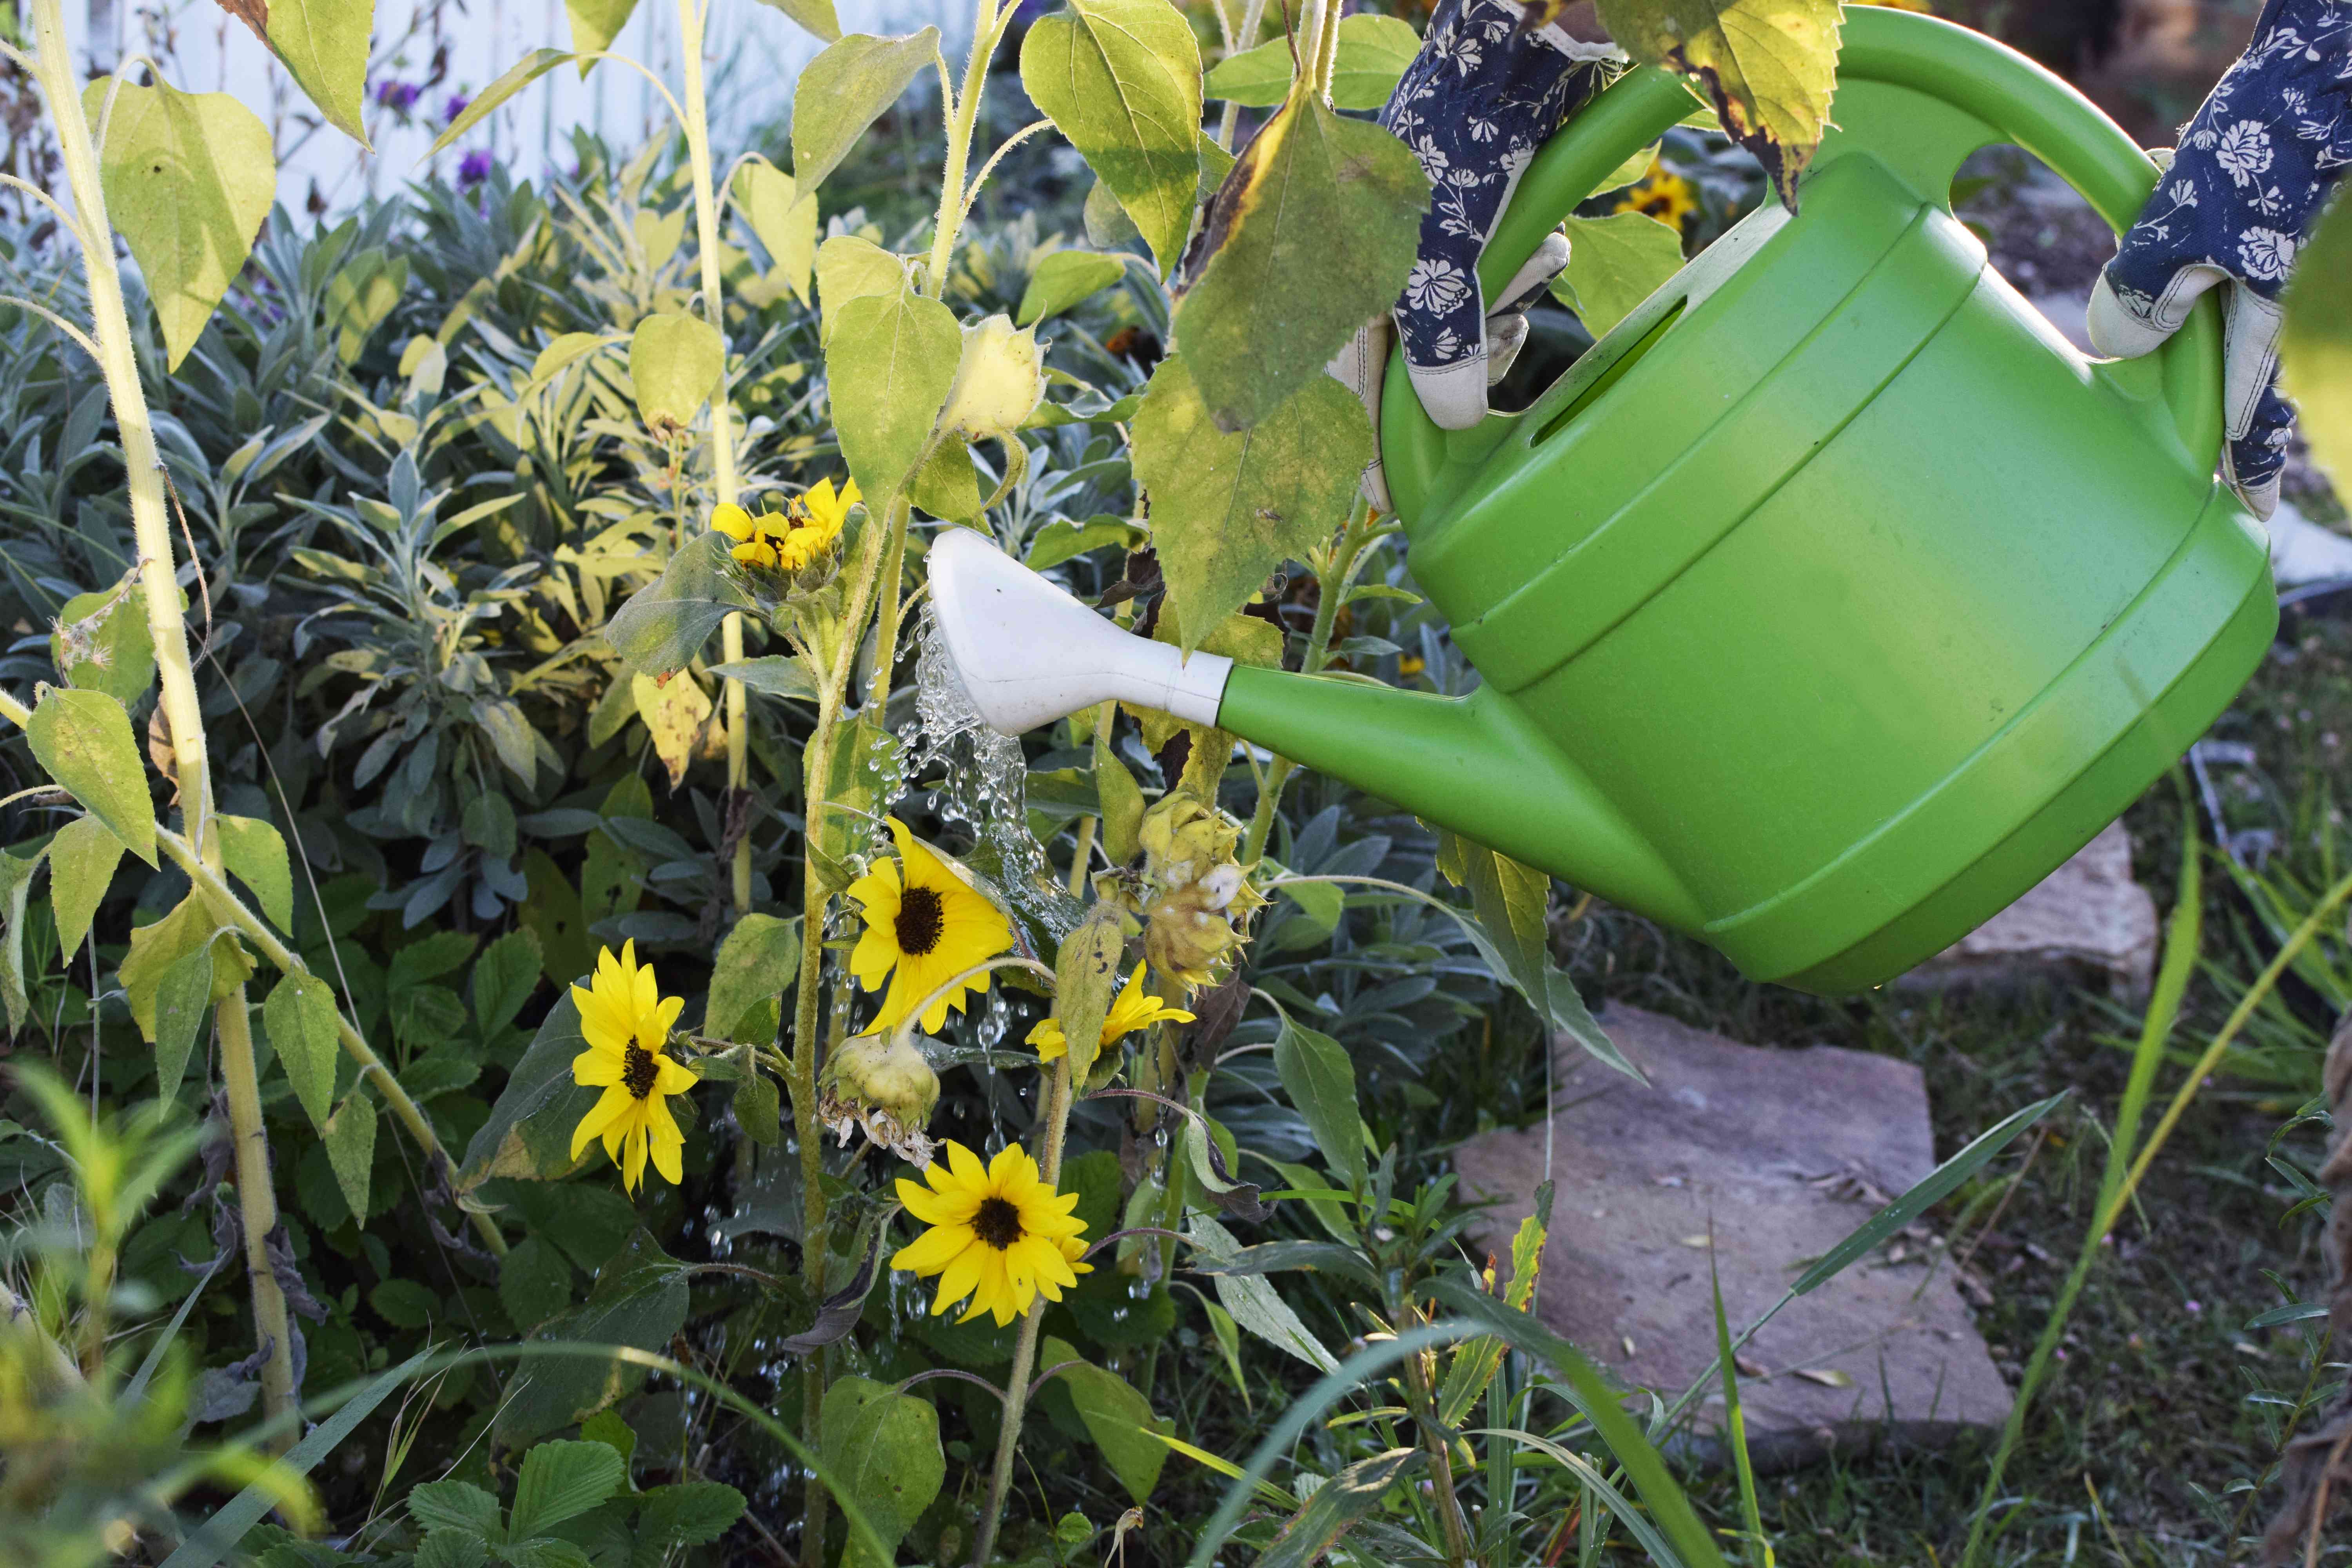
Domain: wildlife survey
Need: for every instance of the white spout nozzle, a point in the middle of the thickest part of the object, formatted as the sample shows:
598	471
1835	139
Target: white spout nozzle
1029	654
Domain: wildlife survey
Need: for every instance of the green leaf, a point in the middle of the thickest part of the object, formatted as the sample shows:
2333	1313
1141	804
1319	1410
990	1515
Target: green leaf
664	625
1116	1417
524	71
595	24
558	1481
404	1303
675	362
816	16
891	363
772	675
848	268
15	891
451	1549
1344	1500
759	1108
1066	539
1268	310
759	962
529	1133
350	1138
1321	902
534	1282
1510	902
323	45
1122	802
692	1513
1106	223
361	295
639	1301
1613	264
884	1450
1321	1082
1121	80
1226	510
1253	1304
111	648
255	855
545	1552
504	978
1373	53
946	486
83	859
455	1505
843	91
1769	66
82	739
2316	345
783	219
1063	278
300	1019
1086	976
188	178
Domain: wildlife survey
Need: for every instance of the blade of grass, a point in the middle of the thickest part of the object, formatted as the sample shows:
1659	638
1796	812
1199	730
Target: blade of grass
1735	1426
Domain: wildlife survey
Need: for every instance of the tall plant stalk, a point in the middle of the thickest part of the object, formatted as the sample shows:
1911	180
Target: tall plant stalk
691	19
158	580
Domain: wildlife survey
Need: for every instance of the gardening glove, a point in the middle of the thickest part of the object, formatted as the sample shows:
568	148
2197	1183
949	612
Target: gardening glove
2238	197
1484	93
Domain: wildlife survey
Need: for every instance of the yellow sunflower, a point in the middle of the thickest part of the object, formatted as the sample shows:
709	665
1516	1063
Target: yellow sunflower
923	926
759	541
997	1233
824	512
1662	195
626	1020
1131	1011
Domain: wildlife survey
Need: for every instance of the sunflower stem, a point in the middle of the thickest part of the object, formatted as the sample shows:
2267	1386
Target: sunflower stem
1025	1349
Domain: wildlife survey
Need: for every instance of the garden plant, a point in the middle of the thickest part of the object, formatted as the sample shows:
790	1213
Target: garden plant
474	670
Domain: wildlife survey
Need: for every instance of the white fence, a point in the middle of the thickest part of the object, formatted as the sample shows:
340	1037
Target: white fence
755	53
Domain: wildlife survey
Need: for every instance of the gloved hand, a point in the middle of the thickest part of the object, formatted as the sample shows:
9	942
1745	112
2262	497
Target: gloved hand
2240	191
1484	93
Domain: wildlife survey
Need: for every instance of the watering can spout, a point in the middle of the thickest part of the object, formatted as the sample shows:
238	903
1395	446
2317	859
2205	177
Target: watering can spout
1028	653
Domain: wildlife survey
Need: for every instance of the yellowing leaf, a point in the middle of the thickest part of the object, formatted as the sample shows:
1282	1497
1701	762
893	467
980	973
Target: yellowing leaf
519	75
2316	347
1226	510
817	16
784	220
1769	66
675	713
1121	80
675	361
1268	311
848	268
188	178
595	24
323	45
1373	53
843	91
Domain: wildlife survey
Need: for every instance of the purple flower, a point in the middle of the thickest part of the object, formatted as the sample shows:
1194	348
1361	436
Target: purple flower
400	96
455	107
475	169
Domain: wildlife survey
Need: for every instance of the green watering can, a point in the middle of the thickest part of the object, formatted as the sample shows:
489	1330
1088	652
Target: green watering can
1826	605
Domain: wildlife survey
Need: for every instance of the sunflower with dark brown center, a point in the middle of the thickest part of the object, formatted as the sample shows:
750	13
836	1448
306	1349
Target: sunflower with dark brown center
997	1233
625	1021
924	926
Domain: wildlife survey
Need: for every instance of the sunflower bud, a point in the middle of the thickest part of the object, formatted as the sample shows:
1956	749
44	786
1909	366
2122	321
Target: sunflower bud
883	1084
1197	902
999	381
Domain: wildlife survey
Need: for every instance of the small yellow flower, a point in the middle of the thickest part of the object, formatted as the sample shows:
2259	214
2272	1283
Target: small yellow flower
823	511
1662	195
924	925
1132	1011
761	541
997	1233
626	1020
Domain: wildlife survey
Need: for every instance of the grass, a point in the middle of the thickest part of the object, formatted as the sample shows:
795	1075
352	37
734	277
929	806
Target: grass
2146	1438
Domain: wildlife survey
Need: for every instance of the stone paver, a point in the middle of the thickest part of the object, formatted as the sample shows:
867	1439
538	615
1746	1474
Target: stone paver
1782	1154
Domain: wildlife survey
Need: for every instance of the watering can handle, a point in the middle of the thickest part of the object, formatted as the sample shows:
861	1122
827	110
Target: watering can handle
2001	96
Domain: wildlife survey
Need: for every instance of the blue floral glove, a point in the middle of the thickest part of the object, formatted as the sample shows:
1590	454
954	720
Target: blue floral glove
1484	93
2249	176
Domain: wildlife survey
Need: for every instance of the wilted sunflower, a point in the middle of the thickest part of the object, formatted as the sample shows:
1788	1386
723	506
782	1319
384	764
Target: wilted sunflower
626	1020
924	925
997	1233
761	541
1132	1011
